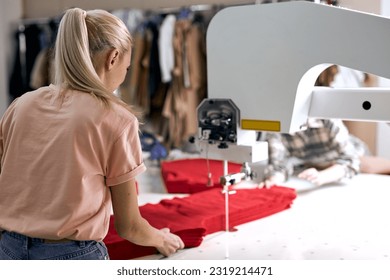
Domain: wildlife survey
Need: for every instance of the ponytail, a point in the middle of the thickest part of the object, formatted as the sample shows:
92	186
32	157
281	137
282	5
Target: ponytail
82	36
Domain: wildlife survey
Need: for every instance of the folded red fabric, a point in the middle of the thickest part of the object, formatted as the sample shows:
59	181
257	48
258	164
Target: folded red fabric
191	175
121	249
202	213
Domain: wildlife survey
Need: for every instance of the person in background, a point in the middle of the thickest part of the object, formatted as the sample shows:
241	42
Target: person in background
321	154
70	152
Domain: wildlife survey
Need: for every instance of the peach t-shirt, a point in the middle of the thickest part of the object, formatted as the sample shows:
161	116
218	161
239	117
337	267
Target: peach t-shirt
58	159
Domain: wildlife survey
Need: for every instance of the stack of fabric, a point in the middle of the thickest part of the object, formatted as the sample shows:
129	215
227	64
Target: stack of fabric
202	213
191	175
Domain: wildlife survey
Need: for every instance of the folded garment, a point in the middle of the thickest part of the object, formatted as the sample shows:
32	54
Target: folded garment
202	213
191	175
121	249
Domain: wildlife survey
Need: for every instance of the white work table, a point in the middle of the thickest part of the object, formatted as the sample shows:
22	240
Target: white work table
343	221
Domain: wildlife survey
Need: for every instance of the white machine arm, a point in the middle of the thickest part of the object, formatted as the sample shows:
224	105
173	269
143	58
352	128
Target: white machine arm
262	64
368	104
266	58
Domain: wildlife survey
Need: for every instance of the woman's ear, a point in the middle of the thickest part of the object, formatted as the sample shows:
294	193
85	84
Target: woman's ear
112	58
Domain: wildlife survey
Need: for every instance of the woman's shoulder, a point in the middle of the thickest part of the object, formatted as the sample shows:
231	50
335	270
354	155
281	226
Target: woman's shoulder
29	99
118	118
121	112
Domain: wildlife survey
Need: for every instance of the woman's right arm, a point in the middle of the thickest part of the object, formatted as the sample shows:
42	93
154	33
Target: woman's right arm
131	226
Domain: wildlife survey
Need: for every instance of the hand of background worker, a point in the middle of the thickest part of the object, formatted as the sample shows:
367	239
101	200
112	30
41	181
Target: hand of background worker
172	243
312	175
331	174
271	181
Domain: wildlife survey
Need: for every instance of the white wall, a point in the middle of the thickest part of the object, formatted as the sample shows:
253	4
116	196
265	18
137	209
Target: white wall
369	6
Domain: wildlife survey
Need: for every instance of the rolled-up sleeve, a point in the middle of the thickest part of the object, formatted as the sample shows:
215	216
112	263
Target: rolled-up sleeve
348	154
277	157
125	161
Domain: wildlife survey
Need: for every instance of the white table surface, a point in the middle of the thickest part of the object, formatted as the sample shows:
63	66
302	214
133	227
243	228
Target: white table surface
343	221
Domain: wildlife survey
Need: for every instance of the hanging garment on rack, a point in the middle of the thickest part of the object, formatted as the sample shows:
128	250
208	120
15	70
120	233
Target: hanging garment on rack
33	38
42	73
132	18
188	85
167	78
166	57
139	74
129	88
28	43
154	80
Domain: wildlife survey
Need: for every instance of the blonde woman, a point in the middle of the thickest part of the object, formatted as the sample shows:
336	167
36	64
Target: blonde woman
71	150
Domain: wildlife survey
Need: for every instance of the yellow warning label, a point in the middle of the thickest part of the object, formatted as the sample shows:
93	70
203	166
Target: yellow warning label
260	125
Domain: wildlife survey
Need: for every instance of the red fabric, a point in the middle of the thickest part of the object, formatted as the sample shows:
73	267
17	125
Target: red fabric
202	213
191	175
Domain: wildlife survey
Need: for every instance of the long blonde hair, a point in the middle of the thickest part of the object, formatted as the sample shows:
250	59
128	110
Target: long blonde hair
82	35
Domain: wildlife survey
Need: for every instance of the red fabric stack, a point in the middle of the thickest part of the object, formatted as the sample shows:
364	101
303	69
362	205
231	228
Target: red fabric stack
202	213
191	175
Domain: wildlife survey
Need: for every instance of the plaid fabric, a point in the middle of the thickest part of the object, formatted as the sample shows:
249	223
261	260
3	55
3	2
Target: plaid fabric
322	144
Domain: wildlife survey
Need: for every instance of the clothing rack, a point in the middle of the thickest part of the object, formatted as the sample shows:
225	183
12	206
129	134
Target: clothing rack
23	24
21	27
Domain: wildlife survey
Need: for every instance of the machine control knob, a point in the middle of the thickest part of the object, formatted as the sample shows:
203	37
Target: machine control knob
223	145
